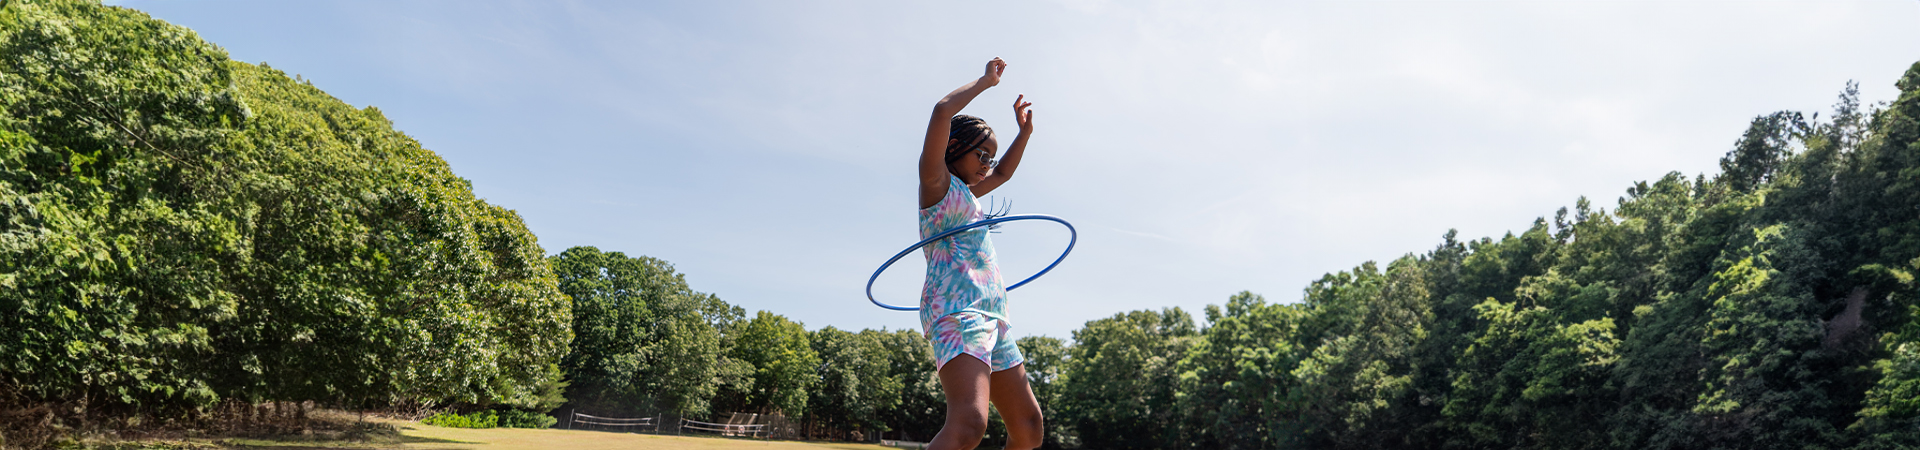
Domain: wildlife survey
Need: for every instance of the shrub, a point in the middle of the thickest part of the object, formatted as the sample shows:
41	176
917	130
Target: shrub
482	419
504	418
514	418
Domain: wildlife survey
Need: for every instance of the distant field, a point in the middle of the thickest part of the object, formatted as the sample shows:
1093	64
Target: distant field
432	437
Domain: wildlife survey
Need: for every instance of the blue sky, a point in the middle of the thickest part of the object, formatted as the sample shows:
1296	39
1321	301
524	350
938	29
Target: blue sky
767	148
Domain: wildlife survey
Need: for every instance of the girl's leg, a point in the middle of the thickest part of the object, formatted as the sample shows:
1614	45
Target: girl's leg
1017	407
964	378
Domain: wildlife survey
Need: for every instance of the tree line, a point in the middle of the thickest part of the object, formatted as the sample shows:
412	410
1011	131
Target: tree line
646	344
1769	306
180	230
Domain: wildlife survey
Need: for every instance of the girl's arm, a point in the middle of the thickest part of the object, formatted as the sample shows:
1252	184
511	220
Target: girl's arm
1004	171
933	153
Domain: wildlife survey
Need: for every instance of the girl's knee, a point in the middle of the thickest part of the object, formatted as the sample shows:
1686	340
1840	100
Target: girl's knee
1023	442
975	427
1031	425
970	426
1026	432
964	433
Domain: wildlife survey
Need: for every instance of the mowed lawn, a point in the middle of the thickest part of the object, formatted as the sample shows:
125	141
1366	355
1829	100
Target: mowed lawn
422	436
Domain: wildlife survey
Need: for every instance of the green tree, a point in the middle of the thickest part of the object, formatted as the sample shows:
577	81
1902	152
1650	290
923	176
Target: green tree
1046	371
1891	414
1759	155
1763	333
922	407
856	384
1235	382
1356	371
1890	171
1120	378
1530	381
643	340
177	228
784	365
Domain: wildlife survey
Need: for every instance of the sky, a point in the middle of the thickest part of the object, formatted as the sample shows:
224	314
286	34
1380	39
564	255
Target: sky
767	148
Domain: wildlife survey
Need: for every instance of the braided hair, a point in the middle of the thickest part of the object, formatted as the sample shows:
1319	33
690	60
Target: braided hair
968	132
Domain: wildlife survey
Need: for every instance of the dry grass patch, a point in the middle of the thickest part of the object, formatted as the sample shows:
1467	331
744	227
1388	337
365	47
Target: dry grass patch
410	435
529	439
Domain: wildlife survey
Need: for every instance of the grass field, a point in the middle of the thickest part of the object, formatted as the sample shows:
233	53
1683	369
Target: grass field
414	435
514	439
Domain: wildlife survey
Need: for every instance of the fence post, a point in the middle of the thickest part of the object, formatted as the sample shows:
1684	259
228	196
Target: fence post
570	418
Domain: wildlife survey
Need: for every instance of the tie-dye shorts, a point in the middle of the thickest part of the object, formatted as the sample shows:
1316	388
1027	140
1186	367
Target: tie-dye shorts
966	333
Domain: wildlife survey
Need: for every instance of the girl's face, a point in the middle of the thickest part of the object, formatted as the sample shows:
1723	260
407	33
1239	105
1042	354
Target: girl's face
977	163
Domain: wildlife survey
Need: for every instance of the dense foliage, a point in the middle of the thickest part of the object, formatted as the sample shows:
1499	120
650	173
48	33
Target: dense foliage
643	340
647	344
785	367
505	418
178	228
1770	306
482	419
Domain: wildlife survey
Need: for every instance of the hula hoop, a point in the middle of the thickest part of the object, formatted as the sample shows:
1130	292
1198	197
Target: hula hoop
1075	237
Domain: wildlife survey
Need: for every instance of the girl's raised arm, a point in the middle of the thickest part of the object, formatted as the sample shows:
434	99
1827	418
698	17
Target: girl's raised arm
1023	114
933	153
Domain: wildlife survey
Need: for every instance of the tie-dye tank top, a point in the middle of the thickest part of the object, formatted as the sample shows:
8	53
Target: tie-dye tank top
961	273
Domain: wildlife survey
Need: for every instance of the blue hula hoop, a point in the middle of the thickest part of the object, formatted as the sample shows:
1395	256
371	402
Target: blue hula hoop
1075	237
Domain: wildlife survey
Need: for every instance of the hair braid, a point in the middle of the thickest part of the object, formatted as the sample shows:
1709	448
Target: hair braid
968	132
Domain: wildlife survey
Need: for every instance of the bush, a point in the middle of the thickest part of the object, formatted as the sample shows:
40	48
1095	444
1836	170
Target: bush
482	419
514	418
505	418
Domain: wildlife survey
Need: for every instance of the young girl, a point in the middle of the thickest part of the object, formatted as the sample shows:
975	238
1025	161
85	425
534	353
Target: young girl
963	304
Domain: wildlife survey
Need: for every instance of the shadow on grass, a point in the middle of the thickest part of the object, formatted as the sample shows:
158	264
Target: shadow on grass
428	440
310	443
410	439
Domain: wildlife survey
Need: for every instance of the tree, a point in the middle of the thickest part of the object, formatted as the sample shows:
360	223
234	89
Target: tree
856	386
1887	174
1891	414
1235	381
922	406
1531	381
178	228
784	365
1120	377
1356	369
1757	157
643	340
1046	372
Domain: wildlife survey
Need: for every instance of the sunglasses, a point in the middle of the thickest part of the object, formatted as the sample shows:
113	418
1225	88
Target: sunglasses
986	157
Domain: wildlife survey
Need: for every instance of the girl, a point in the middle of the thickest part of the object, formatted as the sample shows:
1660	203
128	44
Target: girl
963	303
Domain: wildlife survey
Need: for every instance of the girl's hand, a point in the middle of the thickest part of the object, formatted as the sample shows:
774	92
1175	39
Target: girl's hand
994	69
1023	114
